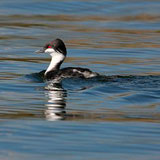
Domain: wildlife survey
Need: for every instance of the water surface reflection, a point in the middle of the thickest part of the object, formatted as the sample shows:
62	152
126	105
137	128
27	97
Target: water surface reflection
56	103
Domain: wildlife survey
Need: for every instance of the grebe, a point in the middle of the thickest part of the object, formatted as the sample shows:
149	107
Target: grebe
58	52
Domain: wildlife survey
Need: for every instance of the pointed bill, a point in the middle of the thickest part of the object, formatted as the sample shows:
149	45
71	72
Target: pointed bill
40	51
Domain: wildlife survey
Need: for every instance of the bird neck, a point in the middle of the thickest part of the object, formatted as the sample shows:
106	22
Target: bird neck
56	61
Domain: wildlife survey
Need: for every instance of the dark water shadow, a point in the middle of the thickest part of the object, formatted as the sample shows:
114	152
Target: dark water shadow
56	94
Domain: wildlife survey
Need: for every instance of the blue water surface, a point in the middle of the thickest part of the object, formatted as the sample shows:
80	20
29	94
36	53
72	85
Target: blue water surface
114	116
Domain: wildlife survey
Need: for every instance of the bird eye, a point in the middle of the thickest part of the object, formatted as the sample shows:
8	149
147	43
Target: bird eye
49	46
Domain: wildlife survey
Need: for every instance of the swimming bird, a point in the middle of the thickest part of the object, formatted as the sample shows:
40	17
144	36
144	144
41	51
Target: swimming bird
58	52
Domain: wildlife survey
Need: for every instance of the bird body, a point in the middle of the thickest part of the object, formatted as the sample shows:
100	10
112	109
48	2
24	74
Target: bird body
58	52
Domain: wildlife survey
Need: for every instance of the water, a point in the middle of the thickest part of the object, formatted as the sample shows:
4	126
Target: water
115	118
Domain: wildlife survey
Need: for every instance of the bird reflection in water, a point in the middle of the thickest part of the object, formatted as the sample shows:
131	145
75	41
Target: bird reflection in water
55	107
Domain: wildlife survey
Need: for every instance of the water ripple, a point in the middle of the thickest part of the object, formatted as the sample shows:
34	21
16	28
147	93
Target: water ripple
114	116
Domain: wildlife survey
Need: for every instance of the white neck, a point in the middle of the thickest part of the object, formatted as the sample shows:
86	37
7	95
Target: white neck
57	59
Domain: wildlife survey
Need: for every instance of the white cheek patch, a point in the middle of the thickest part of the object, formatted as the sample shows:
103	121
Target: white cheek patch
57	58
49	50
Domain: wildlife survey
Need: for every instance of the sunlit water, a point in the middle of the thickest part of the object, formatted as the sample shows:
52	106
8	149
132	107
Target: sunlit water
115	116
